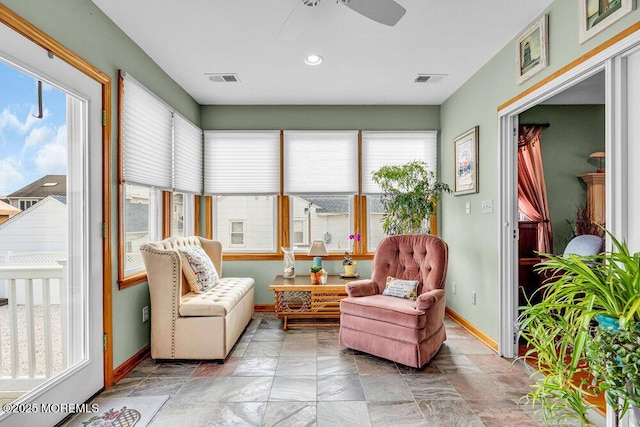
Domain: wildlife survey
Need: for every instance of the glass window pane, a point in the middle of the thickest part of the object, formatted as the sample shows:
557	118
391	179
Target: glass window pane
178	215
375	216
326	218
136	225
245	223
237	227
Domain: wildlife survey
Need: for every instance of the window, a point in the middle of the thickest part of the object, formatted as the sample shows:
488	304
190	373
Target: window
255	232
142	225
326	217
236	234
390	148
187	174
300	235
152	133
177	210
242	173
26	204
321	178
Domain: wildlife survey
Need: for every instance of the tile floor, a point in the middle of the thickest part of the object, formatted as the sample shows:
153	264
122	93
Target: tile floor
303	377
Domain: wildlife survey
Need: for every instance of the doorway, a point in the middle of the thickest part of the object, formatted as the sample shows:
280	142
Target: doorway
617	63
72	287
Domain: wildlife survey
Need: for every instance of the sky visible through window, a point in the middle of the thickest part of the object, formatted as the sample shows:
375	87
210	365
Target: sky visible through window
30	148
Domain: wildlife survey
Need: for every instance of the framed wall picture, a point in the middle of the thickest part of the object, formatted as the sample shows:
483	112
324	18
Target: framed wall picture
596	15
465	154
532	50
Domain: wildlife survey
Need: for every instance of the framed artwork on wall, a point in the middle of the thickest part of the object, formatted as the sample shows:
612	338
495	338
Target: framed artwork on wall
465	155
596	15
532	50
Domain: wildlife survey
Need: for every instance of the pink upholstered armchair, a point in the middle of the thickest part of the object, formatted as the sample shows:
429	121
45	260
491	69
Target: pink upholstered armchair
398	328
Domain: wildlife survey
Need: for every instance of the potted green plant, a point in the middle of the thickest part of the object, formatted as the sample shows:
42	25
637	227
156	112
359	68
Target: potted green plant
316	273
614	356
561	333
410	196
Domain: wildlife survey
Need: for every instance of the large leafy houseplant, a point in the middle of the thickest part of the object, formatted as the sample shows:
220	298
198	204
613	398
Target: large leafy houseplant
410	196
563	338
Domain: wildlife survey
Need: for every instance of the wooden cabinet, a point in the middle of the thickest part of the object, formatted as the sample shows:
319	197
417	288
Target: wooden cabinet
596	197
528	279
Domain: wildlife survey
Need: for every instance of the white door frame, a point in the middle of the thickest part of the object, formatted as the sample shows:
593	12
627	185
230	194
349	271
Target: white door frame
609	60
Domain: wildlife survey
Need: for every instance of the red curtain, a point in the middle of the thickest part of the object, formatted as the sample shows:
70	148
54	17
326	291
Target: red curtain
532	190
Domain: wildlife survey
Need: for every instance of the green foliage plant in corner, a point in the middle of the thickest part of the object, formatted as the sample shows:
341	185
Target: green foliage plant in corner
564	337
410	196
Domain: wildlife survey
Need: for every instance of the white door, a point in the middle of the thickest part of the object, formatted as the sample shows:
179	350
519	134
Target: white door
55	397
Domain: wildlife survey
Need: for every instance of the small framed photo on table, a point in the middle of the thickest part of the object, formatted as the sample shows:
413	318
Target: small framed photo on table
531	50
465	154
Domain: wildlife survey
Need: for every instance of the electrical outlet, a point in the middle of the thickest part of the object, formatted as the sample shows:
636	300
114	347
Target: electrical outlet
145	313
487	206
454	288
474	298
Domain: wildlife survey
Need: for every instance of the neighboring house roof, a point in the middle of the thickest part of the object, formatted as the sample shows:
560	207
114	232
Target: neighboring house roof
48	185
62	199
7	209
137	215
340	205
329	205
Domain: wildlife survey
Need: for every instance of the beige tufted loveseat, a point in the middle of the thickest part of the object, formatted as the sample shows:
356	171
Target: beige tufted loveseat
186	325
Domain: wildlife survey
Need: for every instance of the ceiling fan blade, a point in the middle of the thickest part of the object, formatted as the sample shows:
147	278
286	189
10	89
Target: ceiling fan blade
386	12
298	19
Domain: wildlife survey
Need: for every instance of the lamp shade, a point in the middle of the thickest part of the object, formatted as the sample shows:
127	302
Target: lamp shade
318	249
599	155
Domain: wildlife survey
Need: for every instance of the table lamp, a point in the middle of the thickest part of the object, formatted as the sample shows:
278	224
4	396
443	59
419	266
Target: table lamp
317	251
600	156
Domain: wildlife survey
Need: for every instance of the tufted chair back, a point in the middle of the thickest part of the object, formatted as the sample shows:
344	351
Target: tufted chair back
421	257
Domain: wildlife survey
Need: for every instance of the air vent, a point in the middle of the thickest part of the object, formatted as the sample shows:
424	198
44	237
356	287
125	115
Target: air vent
223	77
429	78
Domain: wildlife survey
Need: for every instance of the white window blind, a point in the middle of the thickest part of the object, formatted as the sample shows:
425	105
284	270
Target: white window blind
320	162
395	148
146	137
241	163
187	157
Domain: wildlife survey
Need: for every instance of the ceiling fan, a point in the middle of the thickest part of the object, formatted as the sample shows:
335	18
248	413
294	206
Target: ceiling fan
386	12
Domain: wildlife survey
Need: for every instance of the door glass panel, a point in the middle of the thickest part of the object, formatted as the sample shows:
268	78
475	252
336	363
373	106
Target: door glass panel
38	337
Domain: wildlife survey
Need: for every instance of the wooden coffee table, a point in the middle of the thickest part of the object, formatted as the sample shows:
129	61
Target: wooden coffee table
297	298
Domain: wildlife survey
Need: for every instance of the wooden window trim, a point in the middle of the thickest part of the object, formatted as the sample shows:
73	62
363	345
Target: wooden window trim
196	214
167	214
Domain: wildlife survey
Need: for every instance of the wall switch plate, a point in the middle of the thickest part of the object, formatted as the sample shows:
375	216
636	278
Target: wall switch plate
145	313
467	207
487	206
454	287
474	298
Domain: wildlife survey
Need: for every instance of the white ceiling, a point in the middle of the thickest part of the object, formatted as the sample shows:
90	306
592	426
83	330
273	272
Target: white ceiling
364	62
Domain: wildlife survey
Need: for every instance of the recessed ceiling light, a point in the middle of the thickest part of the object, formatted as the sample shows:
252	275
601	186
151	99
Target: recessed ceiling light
313	59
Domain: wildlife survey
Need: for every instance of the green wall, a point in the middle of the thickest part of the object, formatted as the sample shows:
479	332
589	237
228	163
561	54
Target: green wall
575	132
84	29
320	117
474	238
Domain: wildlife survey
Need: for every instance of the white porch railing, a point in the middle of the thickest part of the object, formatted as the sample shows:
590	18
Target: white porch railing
33	347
